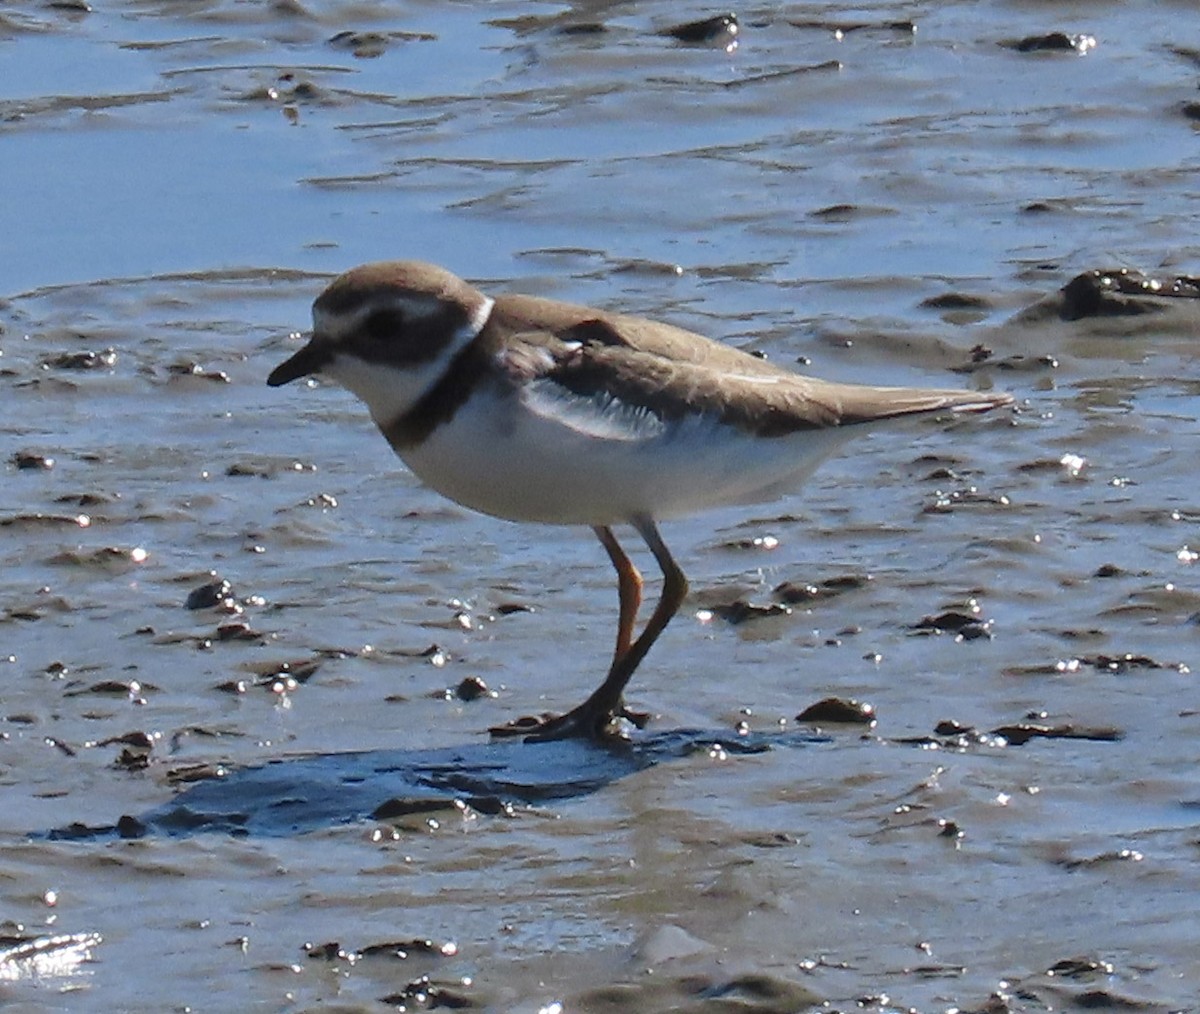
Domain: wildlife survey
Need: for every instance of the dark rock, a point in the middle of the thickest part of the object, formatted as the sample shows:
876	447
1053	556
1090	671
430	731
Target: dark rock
207	596
471	689
967	626
721	30
949	829
29	461
838	710
131	827
1053	42
490	806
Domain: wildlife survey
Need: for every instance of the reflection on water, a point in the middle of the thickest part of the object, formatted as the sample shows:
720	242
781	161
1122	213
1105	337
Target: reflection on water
295	795
200	574
45	961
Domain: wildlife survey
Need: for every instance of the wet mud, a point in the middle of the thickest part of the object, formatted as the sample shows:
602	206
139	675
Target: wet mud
248	664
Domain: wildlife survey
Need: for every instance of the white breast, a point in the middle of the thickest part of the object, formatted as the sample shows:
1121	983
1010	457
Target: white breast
553	457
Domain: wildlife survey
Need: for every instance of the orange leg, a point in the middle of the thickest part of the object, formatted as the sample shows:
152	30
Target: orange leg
629	589
593	718
675	588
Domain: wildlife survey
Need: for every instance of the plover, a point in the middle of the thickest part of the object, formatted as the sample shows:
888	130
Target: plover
535	410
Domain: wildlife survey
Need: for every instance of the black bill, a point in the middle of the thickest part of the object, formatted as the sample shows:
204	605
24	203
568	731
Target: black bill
308	360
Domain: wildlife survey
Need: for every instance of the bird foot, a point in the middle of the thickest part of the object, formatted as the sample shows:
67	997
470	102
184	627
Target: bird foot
583	722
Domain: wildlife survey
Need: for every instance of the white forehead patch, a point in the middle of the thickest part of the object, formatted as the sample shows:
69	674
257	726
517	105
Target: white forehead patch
417	306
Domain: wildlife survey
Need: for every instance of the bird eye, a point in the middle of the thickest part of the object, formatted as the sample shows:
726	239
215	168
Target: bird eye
383	325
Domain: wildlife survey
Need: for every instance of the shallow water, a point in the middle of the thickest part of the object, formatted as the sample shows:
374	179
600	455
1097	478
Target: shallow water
181	179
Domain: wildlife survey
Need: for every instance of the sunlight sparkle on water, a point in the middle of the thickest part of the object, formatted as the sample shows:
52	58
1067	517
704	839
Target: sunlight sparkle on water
1073	463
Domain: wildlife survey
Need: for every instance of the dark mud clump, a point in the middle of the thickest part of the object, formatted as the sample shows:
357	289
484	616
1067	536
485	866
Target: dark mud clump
965	626
721	30
838	711
1117	293
1052	42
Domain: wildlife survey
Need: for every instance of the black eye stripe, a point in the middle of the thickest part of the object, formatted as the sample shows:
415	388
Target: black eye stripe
400	335
384	324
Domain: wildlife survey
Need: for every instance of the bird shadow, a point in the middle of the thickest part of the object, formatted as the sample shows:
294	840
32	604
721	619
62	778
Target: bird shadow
295	795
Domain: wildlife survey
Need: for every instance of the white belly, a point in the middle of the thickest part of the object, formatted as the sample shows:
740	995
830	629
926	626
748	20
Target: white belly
504	458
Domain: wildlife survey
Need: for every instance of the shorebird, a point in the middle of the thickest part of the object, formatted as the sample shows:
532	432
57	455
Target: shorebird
536	410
